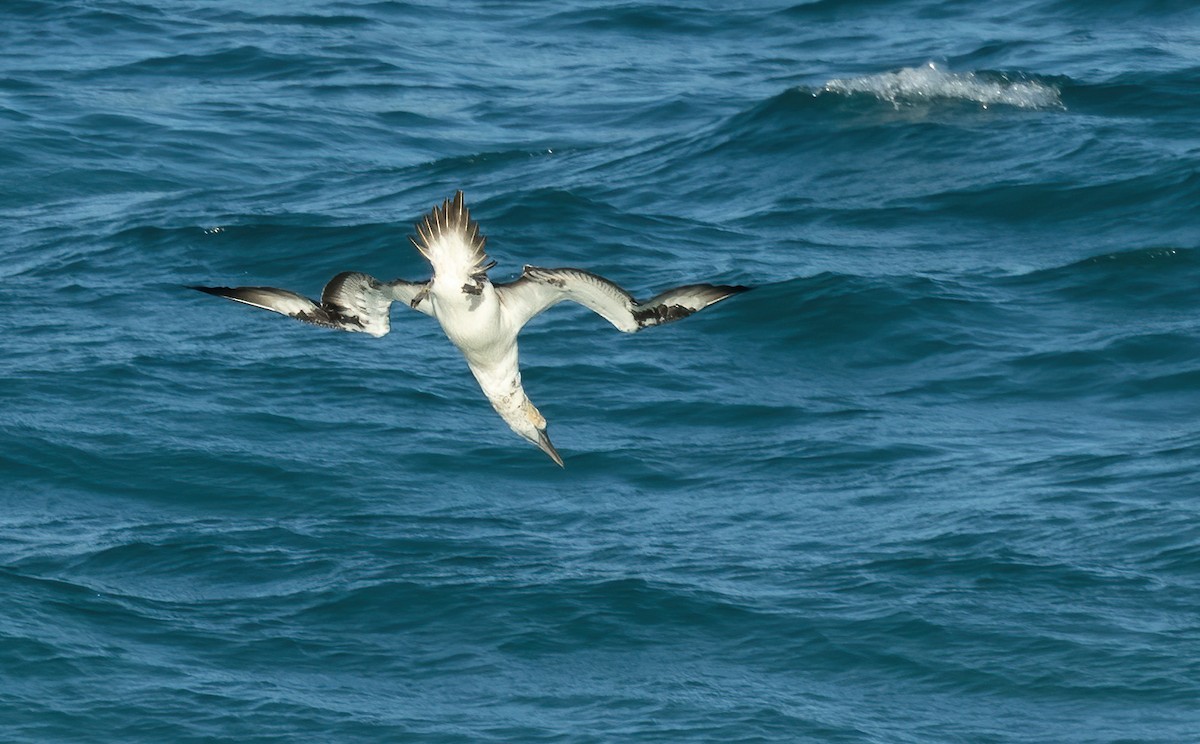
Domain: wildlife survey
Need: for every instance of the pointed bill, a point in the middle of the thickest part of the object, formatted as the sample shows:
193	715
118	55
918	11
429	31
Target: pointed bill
544	442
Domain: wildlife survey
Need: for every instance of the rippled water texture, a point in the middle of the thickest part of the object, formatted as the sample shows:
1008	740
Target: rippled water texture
933	480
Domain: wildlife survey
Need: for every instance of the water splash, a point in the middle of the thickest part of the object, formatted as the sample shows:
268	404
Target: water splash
913	85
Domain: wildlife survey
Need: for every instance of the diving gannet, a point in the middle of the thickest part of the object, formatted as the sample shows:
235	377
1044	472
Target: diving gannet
481	318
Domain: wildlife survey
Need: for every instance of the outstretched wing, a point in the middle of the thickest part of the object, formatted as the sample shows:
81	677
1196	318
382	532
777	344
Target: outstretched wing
351	301
538	289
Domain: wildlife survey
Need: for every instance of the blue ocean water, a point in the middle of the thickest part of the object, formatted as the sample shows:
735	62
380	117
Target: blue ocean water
935	479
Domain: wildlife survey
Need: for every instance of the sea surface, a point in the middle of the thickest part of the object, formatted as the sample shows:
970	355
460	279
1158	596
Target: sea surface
935	479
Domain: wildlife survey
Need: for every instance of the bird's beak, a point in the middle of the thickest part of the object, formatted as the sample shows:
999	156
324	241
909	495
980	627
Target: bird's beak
543	441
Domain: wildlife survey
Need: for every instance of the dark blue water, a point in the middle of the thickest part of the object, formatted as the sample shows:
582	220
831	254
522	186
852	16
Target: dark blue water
935	480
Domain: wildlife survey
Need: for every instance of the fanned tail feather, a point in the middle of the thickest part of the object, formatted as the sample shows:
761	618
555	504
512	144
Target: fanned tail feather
450	241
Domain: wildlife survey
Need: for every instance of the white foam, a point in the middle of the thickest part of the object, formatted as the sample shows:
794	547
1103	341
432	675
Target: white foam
912	85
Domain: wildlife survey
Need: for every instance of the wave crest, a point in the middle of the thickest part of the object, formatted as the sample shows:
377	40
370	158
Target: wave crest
911	85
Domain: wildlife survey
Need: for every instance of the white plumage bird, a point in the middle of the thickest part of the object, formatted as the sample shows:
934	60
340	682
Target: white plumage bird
481	318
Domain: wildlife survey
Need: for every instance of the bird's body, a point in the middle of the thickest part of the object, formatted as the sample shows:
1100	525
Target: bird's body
482	319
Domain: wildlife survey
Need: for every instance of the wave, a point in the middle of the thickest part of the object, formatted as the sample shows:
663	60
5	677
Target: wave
918	85
635	18
1159	276
247	62
907	88
910	118
1165	96
1119	9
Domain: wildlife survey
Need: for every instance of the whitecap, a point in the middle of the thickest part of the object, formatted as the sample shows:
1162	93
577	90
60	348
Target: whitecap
911	85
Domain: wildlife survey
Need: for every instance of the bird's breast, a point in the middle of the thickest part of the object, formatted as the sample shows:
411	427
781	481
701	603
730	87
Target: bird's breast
472	320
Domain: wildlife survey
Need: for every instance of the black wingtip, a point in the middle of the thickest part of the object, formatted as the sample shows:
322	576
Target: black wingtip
206	290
